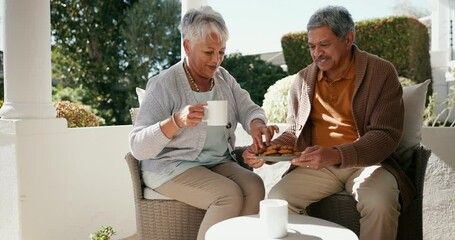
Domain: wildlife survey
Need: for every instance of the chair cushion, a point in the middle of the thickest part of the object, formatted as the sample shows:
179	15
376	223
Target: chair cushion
134	111
153	195
140	95
133	114
414	104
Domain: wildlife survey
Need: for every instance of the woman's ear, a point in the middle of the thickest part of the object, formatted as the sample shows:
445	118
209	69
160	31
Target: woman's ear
186	46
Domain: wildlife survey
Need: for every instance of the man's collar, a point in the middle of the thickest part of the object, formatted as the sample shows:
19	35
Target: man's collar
348	74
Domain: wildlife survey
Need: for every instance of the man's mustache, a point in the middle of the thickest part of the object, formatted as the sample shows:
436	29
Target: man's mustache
320	58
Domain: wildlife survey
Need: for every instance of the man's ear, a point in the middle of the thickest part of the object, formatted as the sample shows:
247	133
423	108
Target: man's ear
349	39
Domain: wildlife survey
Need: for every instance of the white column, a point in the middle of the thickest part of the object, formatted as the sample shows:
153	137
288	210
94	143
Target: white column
27	60
27	118
186	5
440	33
441	51
440	23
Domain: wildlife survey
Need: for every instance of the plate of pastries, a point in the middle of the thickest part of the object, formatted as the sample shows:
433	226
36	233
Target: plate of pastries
278	153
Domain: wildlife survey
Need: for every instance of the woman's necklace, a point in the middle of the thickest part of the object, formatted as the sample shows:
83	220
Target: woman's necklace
212	81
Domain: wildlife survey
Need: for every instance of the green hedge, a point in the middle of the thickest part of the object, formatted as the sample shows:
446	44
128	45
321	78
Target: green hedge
404	41
253	74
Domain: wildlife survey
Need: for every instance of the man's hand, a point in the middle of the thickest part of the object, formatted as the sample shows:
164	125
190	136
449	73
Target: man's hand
317	157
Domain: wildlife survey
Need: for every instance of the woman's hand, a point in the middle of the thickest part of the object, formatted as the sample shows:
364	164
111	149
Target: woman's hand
258	129
190	115
250	159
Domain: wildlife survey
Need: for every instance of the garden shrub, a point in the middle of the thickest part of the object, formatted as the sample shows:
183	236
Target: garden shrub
105	233
77	115
441	119
276	100
253	74
406	81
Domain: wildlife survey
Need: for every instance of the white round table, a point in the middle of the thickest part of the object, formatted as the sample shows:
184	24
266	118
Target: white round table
300	227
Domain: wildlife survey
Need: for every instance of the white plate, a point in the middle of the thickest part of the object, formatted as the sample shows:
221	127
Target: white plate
276	158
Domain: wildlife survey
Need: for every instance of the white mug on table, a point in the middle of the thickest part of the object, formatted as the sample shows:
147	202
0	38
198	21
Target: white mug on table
273	214
216	113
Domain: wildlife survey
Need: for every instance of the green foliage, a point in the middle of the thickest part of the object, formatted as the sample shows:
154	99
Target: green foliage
152	39
76	115
404	41
295	51
76	95
253	74
1	103
429	116
441	119
110	47
405	82
104	234
86	51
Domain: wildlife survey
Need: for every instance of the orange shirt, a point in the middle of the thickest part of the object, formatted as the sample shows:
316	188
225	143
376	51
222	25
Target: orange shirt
331	113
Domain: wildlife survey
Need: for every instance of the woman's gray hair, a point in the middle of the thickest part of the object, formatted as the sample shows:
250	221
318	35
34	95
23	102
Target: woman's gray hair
337	18
198	24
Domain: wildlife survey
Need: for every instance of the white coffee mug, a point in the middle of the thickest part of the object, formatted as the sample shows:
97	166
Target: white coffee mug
273	214
216	113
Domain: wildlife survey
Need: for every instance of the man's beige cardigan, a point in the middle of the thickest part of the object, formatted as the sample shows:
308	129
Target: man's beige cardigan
378	112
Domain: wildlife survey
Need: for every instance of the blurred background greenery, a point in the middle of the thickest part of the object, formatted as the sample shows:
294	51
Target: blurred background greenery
103	50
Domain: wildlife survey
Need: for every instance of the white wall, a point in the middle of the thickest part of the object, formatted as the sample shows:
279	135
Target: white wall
71	183
439	189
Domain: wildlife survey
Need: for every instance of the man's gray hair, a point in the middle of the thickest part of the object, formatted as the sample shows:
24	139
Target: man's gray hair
337	18
198	24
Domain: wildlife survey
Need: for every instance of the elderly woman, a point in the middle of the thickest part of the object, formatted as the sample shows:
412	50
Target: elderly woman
182	157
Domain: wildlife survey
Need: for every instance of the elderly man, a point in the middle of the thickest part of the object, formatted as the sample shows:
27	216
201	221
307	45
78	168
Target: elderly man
346	117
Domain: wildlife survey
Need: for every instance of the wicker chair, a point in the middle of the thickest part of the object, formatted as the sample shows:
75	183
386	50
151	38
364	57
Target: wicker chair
170	219
160	219
163	219
341	208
